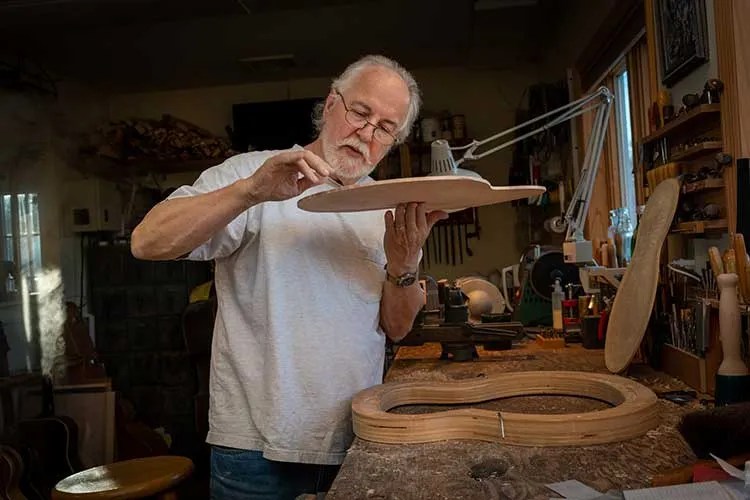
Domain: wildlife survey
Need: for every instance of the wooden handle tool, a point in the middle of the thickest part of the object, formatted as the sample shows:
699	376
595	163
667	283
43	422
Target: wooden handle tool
717	265
730	261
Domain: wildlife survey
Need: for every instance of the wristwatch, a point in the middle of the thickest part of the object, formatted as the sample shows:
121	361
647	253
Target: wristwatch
402	281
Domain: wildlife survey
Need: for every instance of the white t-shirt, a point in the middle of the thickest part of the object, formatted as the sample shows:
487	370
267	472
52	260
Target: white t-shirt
297	330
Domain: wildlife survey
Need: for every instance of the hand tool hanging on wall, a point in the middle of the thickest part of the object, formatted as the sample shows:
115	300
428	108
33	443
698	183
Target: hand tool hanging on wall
469	251
445	241
426	251
440	243
477	229
461	238
435	245
453	245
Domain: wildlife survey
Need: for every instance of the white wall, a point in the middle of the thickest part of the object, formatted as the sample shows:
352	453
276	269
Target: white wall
488	98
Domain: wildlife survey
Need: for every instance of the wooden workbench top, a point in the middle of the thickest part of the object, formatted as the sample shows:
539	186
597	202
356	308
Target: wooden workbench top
468	469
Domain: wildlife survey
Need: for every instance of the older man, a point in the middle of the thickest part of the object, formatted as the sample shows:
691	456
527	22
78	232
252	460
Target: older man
304	298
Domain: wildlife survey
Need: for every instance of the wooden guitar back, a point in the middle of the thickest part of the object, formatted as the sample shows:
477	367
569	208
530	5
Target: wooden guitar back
11	471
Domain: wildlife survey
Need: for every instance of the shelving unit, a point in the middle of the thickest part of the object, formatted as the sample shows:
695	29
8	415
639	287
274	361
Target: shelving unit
704	185
701	226
684	122
700	128
697	151
703	121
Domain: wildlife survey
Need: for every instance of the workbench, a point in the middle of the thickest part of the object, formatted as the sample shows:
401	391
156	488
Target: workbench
471	469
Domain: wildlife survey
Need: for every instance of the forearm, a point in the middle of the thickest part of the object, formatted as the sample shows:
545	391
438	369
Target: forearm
177	226
398	308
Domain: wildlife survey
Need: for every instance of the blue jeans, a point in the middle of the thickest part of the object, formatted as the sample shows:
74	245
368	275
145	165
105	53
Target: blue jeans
245	474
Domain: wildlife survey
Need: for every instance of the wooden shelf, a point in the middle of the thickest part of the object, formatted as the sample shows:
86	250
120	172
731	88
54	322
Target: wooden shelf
696	114
700	226
698	150
685	366
110	168
704	185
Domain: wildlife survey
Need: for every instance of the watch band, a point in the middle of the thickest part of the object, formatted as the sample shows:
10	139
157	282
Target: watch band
404	280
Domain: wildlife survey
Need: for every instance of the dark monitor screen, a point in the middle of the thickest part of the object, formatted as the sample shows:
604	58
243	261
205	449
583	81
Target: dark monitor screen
273	125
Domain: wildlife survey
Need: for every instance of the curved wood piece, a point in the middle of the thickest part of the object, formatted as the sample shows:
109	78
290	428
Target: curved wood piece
634	412
447	192
635	295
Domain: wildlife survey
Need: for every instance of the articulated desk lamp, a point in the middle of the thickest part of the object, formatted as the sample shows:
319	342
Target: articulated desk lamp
576	249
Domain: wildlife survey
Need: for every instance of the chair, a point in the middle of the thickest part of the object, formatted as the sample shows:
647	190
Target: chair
137	478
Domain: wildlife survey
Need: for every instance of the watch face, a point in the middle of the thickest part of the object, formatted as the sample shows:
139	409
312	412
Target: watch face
407	279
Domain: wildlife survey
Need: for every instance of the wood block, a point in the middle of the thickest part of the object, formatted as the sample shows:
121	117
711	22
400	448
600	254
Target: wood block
550	343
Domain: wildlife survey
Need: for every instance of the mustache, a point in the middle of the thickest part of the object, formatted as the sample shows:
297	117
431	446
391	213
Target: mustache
360	146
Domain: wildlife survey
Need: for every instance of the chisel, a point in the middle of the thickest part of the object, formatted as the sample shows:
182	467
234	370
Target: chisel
453	245
439	249
426	251
445	241
461	243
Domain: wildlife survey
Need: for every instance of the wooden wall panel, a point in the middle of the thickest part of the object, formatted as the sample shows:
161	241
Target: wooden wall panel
597	220
742	65
640	99
729	36
652	44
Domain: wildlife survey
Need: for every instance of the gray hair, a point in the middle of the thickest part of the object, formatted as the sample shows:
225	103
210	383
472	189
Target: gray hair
353	70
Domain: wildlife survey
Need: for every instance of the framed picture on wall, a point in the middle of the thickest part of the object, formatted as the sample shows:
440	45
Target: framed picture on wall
683	37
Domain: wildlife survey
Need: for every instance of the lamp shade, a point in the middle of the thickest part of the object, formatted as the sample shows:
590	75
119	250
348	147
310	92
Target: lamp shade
442	162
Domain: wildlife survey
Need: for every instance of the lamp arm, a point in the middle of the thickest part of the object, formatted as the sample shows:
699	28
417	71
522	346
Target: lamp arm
569	111
578	209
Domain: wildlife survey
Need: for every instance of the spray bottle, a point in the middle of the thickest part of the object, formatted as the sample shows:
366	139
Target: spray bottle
557	311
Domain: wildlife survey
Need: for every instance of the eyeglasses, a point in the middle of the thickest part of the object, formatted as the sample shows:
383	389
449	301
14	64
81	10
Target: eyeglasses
359	120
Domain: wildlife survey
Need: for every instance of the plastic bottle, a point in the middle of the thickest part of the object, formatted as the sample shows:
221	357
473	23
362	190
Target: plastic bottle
624	238
639	215
614	219
557	311
10	284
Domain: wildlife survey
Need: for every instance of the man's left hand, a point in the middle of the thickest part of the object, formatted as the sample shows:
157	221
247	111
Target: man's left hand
406	230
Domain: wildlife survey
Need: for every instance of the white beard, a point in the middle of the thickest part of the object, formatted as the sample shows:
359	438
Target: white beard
346	167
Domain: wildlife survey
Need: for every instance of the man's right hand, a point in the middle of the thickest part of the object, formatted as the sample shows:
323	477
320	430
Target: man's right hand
279	177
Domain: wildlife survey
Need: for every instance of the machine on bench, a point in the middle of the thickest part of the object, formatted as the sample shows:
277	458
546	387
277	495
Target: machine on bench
457	336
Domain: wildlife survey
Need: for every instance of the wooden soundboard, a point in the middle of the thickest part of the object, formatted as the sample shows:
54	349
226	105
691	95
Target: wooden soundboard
449	193
635	296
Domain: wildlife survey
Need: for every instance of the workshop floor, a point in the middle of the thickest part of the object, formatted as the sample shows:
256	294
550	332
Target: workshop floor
464	469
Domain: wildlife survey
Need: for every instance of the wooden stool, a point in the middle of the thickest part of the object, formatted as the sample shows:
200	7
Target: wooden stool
137	478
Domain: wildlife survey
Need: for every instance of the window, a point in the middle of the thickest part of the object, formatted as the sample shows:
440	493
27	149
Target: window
22	241
620	181
624	132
